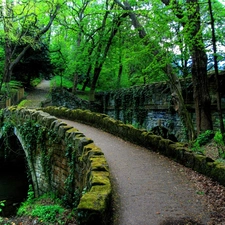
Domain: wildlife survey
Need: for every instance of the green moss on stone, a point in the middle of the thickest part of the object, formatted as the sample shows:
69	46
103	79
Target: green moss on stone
99	164
106	189
178	152
200	164
62	130
71	131
188	159
164	147
91	150
99	178
218	172
154	140
93	201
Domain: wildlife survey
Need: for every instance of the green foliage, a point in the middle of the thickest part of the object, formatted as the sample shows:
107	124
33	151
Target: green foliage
58	81
78	47
30	194
34	136
23	103
201	140
22	29
47	208
7	130
36	81
9	88
205	137
48	213
2	204
30	200
218	138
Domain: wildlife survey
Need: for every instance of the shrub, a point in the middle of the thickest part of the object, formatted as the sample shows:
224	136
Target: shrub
218	138
201	140
46	208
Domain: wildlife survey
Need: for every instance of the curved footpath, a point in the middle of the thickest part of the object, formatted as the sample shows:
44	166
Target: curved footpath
150	189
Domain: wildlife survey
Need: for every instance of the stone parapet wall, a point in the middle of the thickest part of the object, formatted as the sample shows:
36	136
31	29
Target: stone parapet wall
177	151
61	159
146	106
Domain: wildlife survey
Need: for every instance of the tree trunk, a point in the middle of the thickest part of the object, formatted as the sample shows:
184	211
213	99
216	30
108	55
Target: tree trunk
199	63
218	96
97	72
99	63
199	69
179	105
75	83
88	78
201	91
119	74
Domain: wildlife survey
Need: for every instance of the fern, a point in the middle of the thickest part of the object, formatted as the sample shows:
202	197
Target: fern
10	87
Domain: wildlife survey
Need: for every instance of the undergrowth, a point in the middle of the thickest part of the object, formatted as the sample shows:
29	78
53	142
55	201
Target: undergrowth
58	81
201	140
36	81
210	139
47	209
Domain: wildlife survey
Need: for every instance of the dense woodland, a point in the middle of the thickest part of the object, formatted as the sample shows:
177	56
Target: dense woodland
110	44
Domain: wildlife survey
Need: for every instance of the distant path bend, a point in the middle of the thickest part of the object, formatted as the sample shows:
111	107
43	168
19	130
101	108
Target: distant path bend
150	187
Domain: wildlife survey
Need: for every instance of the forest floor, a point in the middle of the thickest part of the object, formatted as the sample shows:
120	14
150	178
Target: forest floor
151	189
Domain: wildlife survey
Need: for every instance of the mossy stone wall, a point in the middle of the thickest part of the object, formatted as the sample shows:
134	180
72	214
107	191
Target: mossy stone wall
177	151
63	160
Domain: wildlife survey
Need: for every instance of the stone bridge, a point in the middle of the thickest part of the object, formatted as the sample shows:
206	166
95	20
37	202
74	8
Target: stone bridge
63	160
146	106
60	159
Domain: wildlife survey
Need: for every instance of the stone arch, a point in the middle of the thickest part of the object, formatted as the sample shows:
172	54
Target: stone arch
164	132
13	178
75	162
29	163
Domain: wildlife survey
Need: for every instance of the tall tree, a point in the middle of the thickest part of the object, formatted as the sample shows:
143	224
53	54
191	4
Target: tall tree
199	68
106	36
159	57
194	40
219	108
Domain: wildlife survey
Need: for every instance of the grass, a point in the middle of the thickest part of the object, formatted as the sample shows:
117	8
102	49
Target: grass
36	81
66	83
24	103
210	144
47	209
57	80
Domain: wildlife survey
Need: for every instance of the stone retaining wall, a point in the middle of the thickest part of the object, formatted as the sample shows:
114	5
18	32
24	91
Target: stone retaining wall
177	151
63	160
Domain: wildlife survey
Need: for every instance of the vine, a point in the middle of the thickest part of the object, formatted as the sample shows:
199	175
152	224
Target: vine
28	130
6	132
35	137
70	154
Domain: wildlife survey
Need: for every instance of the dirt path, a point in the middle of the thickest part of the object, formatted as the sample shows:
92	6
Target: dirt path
39	94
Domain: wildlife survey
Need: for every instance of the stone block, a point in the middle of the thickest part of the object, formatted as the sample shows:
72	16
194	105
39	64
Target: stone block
99	178
99	164
62	130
